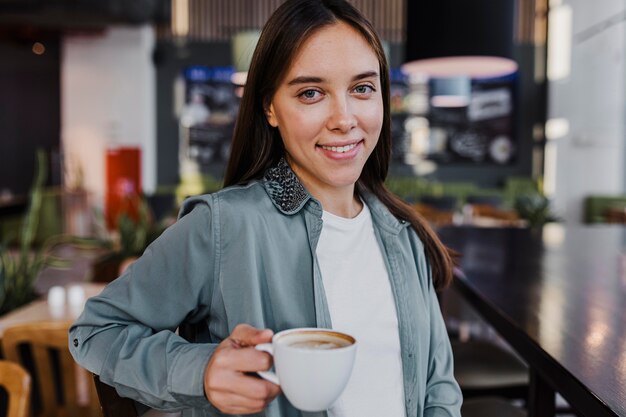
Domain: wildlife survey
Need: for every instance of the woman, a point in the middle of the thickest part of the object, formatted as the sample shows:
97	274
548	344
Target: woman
304	235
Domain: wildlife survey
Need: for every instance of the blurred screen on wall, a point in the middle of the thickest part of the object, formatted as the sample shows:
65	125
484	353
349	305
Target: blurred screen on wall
208	116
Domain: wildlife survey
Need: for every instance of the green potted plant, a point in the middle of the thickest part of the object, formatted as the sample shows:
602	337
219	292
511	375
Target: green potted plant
535	209
20	267
131	237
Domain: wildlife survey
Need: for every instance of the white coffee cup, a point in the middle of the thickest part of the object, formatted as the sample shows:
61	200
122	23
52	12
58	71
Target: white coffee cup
312	365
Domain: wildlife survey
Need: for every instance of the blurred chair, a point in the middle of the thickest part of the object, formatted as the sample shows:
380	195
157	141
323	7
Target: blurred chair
484	214
63	388
484	369
604	209
490	407
438	210
484	200
487	210
486	373
111	403
115	406
17	383
615	215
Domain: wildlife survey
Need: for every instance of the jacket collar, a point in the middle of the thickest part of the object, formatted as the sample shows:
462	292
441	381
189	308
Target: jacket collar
289	196
285	190
381	214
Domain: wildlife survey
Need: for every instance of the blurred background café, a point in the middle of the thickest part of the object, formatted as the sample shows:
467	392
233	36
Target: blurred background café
508	126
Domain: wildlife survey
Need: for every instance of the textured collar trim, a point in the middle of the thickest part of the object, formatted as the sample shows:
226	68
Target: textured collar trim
289	196
285	189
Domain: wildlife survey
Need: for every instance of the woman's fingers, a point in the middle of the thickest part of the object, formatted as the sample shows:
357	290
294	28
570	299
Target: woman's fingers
246	335
256	388
243	385
244	359
226	384
227	389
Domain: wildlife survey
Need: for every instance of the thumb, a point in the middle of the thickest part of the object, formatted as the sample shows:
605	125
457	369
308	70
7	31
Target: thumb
246	335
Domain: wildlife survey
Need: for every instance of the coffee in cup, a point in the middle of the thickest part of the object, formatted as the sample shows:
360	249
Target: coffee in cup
322	340
312	365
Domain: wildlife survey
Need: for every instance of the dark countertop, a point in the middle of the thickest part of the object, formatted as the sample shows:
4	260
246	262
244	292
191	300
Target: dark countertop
559	297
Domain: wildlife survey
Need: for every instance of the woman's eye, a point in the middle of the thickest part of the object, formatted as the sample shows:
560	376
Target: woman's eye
364	89
310	94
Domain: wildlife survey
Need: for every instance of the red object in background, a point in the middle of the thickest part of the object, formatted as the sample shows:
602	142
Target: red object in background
123	183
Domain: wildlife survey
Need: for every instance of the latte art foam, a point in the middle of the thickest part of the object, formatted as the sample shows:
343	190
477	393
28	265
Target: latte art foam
316	340
316	344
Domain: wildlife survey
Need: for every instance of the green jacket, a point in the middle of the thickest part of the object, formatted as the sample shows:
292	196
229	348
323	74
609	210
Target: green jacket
246	254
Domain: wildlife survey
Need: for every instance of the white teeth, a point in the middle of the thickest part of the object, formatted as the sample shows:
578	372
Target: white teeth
340	149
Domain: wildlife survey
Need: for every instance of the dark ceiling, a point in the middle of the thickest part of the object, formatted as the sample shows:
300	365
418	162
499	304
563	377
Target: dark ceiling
61	15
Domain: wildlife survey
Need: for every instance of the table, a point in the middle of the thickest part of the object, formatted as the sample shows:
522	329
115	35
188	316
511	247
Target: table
40	310
81	260
558	297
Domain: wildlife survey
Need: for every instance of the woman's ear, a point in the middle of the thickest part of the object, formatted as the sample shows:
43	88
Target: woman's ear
271	116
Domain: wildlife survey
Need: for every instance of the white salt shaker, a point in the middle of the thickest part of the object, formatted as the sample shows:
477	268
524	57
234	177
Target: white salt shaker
76	296
56	302
56	296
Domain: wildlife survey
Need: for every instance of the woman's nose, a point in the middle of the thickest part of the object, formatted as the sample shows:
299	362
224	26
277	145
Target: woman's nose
341	118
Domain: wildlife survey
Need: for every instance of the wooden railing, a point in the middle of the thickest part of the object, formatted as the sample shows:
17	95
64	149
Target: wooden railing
219	20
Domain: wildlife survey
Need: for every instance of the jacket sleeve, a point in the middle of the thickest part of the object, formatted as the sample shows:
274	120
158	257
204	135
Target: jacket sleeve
443	395
127	333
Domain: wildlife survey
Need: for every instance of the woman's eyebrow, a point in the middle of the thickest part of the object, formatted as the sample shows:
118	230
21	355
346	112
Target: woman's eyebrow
363	75
307	79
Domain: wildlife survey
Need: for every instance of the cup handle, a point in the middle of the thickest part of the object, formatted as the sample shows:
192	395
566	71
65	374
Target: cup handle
267	375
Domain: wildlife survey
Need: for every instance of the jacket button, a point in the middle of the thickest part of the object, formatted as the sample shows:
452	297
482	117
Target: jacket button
75	341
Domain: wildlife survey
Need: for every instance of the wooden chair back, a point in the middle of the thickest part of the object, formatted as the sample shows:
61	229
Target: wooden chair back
17	383
64	380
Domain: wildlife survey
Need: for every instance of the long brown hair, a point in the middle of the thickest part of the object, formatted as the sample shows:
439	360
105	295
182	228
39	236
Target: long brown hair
256	146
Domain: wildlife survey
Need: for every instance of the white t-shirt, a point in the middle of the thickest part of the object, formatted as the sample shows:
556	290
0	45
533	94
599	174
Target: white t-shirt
361	304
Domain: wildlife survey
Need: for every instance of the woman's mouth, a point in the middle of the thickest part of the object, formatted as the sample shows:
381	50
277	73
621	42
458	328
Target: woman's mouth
340	149
342	152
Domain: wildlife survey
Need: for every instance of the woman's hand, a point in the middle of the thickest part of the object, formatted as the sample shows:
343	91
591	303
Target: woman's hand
226	384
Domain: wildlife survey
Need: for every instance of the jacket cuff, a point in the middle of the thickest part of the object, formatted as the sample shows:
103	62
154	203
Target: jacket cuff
185	380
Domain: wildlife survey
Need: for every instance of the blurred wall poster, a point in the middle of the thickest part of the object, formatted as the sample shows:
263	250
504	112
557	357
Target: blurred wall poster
207	119
457	120
477	130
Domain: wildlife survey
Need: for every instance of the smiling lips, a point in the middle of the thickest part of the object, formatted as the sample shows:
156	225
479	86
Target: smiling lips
340	149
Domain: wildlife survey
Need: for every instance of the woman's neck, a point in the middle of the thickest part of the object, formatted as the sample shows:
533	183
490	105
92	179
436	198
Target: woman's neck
342	203
338	200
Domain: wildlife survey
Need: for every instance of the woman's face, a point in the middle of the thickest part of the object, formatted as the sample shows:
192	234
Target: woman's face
329	109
